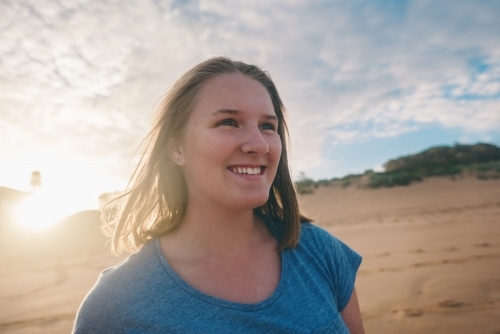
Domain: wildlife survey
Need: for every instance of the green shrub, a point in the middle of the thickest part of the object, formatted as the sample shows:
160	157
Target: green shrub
346	183
305	185
378	180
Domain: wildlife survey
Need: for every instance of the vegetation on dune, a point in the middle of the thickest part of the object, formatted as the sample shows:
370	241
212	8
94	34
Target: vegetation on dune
480	160
444	160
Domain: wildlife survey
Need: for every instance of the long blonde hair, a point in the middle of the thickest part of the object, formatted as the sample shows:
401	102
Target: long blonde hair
156	200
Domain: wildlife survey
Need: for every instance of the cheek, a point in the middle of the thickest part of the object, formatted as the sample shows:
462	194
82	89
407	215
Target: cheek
275	149
203	150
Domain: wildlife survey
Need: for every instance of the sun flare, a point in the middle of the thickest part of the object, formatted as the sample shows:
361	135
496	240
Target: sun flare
39	211
64	185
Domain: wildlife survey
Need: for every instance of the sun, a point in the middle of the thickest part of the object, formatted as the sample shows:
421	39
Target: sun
39	211
62	185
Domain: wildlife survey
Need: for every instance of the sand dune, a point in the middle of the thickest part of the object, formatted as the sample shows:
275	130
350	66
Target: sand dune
431	259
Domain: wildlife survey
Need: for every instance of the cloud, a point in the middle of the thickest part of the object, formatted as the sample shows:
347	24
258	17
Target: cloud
84	75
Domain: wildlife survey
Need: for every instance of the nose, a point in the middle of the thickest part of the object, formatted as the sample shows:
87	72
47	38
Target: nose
254	142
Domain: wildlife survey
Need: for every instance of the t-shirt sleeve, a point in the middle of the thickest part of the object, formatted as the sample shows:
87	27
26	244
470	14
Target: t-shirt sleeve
345	263
97	313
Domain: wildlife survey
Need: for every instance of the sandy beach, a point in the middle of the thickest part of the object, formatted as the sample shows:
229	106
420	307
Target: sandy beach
431	259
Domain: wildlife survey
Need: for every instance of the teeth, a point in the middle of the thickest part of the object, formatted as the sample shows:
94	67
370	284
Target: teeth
246	170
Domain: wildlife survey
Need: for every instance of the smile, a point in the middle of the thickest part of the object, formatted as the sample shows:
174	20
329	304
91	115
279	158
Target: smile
247	170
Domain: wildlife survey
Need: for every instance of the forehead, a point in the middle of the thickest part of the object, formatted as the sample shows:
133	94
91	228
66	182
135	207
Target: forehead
234	91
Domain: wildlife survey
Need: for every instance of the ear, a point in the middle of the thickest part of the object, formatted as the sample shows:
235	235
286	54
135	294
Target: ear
175	153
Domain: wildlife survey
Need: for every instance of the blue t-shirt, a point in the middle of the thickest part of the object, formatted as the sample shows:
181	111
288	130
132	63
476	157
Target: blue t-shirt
144	295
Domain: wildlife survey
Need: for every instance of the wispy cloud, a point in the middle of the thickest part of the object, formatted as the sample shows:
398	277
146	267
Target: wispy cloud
83	76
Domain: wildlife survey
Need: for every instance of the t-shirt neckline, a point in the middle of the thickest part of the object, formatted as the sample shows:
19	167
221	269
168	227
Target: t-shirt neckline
222	302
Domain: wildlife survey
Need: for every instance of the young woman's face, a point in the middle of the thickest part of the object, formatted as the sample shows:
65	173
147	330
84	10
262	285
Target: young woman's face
231	148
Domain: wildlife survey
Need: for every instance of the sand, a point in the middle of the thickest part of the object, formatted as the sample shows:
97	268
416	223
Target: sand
431	260
431	253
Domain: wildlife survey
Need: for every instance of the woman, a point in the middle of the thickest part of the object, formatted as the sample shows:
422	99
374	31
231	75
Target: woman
213	211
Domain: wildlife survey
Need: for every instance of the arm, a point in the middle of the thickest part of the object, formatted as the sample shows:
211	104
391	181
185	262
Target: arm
352	315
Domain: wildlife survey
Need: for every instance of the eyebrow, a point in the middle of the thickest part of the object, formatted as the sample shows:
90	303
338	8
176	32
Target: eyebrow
236	112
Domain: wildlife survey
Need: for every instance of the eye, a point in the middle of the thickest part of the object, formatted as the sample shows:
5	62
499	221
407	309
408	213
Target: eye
227	122
268	126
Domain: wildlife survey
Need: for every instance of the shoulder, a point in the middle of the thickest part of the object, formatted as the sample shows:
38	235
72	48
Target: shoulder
312	238
117	288
337	260
310	230
320	241
136	268
318	238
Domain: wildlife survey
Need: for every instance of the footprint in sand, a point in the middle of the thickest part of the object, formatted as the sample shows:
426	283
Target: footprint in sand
451	249
418	250
384	254
484	244
409	312
413	312
450	303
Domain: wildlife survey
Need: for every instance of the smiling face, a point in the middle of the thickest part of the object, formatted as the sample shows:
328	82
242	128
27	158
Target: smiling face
231	148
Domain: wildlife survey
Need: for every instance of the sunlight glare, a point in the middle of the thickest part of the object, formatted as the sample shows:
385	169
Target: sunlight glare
39	211
69	184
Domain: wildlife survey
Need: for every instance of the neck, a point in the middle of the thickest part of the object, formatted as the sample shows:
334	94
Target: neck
214	230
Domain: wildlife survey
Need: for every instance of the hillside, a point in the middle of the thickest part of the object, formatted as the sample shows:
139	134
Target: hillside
9	197
69	234
480	160
437	160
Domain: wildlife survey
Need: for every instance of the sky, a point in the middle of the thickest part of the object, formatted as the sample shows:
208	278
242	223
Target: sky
363	81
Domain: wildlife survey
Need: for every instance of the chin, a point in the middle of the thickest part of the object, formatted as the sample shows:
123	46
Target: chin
253	202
